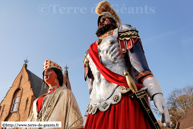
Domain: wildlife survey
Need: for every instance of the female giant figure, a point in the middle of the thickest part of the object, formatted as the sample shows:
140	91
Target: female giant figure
59	104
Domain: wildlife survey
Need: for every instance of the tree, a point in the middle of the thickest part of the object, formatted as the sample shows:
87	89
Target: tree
179	102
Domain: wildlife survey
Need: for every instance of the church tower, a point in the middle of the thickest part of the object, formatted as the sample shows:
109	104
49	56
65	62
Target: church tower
66	78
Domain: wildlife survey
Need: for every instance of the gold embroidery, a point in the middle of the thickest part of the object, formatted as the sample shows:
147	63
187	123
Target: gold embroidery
94	110
105	105
143	74
128	34
107	34
115	98
90	108
99	41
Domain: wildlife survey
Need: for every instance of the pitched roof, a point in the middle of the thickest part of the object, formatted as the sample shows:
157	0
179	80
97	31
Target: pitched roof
186	122
37	84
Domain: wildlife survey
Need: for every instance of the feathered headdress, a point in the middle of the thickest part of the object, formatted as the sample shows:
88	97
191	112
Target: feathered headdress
105	9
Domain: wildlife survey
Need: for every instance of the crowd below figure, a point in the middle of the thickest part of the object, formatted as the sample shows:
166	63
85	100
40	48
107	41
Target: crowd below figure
118	48
59	104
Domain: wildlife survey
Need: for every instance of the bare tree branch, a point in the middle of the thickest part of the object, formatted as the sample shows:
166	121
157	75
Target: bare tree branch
179	102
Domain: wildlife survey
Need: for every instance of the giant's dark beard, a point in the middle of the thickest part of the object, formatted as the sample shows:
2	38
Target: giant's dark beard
104	29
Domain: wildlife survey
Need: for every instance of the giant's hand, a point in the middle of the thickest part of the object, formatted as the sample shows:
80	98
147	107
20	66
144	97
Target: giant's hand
109	50
154	91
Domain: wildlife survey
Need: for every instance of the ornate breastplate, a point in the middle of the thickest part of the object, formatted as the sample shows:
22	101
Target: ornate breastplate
105	93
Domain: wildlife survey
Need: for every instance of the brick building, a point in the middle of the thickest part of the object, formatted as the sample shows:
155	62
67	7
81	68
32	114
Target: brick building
25	89
17	103
186	122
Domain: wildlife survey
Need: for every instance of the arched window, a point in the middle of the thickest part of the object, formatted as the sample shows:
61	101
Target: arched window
16	100
15	104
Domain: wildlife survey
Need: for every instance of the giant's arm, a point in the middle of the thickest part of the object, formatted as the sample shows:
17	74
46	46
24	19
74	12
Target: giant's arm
144	75
138	62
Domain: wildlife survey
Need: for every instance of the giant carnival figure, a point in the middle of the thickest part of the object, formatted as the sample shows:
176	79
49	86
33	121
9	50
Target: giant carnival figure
59	104
118	48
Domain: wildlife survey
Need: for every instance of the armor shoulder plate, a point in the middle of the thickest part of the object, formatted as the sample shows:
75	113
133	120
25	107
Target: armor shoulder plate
127	32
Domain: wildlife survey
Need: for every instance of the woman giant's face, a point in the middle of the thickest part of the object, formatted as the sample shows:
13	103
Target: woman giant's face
49	76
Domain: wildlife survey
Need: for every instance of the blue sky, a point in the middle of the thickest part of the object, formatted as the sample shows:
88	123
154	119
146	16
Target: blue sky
62	30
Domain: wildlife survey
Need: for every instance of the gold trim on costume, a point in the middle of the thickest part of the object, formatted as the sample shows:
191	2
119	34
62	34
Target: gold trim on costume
143	74
128	34
106	34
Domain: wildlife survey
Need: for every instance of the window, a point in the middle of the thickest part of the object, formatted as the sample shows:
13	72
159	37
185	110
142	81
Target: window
26	103
15	104
2	110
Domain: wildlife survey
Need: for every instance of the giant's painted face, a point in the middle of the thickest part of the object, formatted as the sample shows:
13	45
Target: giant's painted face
103	21
49	76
